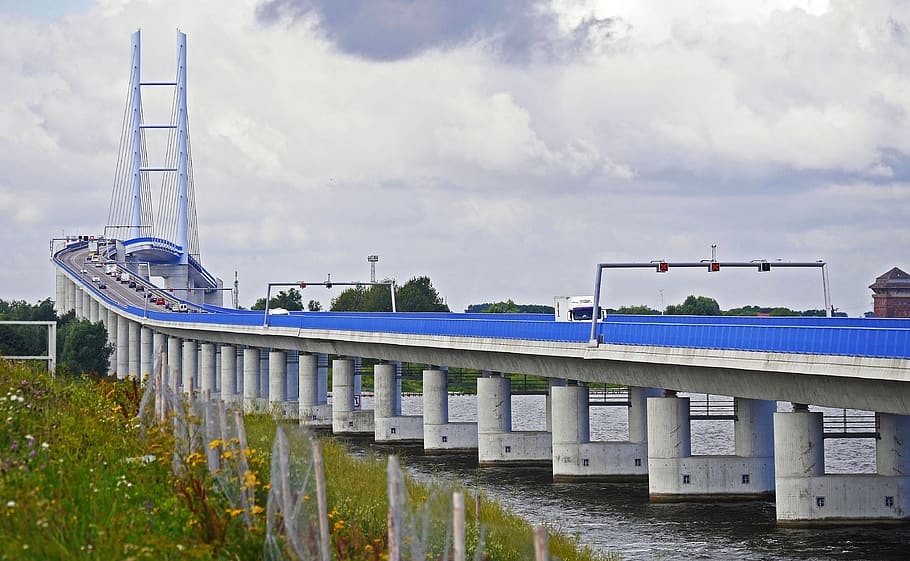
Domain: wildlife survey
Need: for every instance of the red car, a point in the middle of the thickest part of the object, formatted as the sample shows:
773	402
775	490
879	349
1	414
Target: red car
159	301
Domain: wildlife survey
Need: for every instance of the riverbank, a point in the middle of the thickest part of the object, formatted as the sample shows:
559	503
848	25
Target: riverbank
83	479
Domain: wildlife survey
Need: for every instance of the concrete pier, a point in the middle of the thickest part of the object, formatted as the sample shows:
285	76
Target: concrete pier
389	424
174	360
674	474
278	384
496	442
439	435
312	410
123	347
228	373
807	496
190	366
207	370
135	349
251	399
345	418
146	353
575	456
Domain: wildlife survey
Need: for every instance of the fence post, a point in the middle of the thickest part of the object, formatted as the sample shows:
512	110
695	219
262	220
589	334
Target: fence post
324	549
458	531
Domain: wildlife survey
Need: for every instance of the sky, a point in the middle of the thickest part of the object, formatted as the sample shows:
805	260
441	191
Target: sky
501	148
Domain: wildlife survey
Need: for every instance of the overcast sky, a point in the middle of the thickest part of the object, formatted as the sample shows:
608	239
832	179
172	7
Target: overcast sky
502	148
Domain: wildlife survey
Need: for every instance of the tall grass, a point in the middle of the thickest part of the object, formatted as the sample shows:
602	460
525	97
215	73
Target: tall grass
81	478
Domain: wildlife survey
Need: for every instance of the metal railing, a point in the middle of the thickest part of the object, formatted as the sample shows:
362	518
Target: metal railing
51	356
851	425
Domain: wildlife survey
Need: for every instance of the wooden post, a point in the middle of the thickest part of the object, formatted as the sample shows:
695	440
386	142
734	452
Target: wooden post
458	541
541	544
393	474
247	496
287	498
324	549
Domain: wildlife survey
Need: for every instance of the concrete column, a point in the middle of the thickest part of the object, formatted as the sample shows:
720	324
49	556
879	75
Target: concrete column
123	347
551	383
669	433
60	291
278	379
435	397
753	428
799	445
322	364
293	375
159	353
263	374
228	373
307	382
250	378
94	313
494	404
384	387
206	369
135	349
174	363
342	387
78	303
112	320
86	304
890	449
190	366
70	295
571	421
638	412
146	353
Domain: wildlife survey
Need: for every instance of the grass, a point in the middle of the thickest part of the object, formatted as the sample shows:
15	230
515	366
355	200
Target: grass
81	479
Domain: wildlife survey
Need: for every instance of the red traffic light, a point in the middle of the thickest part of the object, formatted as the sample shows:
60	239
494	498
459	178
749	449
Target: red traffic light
303	285
663	267
713	267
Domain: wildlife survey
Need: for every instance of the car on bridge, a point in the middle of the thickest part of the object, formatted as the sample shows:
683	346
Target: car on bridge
96	278
102	285
159	301
140	288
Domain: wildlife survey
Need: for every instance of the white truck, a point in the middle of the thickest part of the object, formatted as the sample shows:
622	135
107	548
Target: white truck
124	277
575	308
110	269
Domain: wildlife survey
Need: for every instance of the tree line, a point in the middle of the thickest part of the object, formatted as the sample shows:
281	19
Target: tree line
82	346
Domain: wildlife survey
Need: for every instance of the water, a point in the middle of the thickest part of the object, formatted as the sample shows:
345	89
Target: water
619	517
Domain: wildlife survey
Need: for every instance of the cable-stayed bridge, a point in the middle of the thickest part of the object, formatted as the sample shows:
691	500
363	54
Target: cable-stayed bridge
282	362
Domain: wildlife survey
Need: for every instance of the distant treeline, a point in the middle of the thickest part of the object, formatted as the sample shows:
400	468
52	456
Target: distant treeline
508	307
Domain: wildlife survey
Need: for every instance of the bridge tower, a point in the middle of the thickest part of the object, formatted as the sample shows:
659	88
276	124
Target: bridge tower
132	214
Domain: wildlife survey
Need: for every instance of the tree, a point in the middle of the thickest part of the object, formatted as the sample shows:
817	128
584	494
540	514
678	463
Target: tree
695	306
376	298
314	306
418	295
25	340
82	348
290	300
641	310
508	307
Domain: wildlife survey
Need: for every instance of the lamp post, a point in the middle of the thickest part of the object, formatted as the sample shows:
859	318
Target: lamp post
372	260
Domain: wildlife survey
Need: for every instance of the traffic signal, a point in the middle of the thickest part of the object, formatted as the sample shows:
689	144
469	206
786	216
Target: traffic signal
328	284
662	267
764	267
713	267
302	284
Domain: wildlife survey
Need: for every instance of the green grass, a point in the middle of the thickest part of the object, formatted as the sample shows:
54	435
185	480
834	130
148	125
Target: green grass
72	487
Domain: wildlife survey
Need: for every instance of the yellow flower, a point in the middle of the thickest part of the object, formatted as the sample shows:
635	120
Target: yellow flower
236	511
306	497
339	525
257	509
215	444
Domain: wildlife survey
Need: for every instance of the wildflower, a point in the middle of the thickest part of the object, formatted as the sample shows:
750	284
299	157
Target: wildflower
339	525
306	497
10	504
236	511
45	445
257	509
215	444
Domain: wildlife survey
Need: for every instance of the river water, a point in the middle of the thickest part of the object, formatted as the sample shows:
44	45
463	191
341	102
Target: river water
619	517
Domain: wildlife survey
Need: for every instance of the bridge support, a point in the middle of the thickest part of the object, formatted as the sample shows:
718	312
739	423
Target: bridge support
439	435
190	366
60	281
86	304
146	354
70	290
123	347
806	496
674	474
251	400
78	303
390	424
576	457
134	349
345	418
313	410
174	356
94	313
278	383
496	442
228	373
207	370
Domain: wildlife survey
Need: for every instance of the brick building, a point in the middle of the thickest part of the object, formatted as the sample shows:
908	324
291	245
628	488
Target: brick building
891	295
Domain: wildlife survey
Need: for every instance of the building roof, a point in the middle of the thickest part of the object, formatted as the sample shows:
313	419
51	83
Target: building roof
892	279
